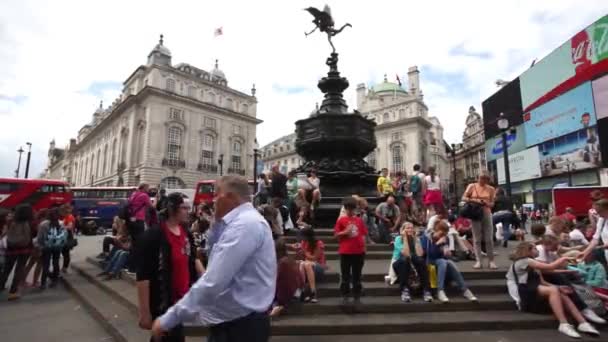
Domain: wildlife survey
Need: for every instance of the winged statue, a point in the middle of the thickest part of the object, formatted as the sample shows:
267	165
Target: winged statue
325	23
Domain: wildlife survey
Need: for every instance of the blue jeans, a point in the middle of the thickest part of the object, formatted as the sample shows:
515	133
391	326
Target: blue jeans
384	234
506	220
118	261
447	268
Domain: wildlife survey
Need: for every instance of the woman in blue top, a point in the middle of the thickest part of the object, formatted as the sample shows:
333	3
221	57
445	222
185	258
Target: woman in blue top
409	256
436	249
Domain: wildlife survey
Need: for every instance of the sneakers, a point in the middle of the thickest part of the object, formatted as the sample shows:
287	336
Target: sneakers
469	295
493	266
427	297
588	329
405	296
442	297
568	330
313	298
13	296
590	315
387	280
477	265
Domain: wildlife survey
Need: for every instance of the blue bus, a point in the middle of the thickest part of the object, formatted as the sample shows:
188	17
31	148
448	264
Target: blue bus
100	204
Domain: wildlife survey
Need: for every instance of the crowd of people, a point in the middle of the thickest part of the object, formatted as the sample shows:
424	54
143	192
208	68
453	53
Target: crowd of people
35	240
229	264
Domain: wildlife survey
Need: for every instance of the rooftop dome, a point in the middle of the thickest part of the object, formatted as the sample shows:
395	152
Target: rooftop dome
161	48
388	87
217	72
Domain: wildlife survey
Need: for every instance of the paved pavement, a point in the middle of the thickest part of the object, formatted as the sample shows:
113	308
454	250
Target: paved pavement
51	315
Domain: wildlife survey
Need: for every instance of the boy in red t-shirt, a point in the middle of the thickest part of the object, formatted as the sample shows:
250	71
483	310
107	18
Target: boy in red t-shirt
350	232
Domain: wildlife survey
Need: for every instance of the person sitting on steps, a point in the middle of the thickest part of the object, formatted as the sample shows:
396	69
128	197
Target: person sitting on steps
435	247
409	257
533	294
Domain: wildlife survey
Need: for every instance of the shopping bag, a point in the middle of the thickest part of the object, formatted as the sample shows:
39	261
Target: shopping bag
432	275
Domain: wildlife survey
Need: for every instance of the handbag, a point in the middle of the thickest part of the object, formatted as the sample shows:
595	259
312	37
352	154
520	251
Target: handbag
432	269
472	210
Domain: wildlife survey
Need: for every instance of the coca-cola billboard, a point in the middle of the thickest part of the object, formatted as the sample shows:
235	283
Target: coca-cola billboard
578	60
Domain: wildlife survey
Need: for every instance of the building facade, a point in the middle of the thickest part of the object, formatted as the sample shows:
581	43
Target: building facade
281	152
171	126
405	134
469	156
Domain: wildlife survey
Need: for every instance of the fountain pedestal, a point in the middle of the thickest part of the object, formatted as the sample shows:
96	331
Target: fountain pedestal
334	142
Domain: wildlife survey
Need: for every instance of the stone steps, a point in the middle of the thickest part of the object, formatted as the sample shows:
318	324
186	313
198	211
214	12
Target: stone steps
114	312
382	311
393	323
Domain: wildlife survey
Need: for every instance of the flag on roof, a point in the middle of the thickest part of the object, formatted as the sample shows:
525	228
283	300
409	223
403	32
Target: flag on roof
218	31
398	80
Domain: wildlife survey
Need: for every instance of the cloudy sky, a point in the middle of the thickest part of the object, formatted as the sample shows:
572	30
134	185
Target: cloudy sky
59	59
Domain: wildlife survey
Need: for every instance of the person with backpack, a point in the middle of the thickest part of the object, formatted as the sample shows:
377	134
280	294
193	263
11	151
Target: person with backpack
136	210
417	192
18	248
52	238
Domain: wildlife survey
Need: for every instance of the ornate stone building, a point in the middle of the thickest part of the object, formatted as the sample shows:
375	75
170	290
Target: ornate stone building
281	152
405	134
171	126
470	155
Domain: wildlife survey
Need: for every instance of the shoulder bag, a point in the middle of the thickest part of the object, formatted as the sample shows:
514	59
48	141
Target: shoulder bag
472	210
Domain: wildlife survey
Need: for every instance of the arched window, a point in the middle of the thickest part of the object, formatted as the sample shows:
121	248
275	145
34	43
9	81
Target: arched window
208	149
123	148
172	183
245	108
236	147
229	104
191	91
401	114
92	173
104	165
170	85
397	158
97	173
235	164
211	97
385	117
113	157
84	174
75	173
140	143
174	143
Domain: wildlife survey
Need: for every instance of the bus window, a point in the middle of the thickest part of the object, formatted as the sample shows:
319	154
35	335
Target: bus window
58	188
205	189
7	188
45	188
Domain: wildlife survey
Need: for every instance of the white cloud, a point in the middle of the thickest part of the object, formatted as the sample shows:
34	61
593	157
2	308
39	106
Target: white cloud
51	52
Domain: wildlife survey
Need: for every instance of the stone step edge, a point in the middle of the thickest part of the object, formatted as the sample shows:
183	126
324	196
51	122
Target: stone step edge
91	309
381	328
107	289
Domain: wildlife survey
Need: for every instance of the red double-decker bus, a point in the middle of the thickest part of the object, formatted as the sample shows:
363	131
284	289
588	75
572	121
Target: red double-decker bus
39	193
205	191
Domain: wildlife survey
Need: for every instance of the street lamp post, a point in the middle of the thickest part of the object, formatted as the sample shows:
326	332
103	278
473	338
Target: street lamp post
256	152
29	155
569	165
20	151
453	153
503	125
220	162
